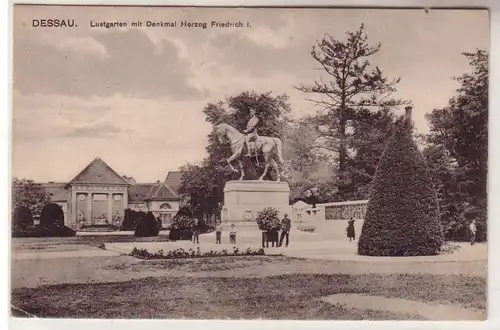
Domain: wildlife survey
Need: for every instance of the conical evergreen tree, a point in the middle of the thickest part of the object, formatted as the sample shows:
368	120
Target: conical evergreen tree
402	216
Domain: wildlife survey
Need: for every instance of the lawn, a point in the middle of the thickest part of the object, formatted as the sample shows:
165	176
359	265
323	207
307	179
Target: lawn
208	295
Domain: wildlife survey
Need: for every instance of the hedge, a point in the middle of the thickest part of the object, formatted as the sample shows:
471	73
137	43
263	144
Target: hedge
45	231
402	216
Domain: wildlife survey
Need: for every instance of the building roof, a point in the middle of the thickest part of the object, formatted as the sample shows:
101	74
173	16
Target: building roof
98	172
173	181
150	191
129	179
57	191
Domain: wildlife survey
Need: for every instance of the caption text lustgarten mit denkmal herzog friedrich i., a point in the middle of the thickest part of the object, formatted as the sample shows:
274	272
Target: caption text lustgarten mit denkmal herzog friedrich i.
169	24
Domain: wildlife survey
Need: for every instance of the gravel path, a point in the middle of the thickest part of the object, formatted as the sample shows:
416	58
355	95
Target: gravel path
69	263
36	272
431	312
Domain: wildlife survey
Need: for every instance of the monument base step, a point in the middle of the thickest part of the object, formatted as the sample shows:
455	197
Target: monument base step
242	225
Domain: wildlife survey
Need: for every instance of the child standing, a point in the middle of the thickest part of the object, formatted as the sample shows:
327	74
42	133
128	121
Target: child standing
232	234
218	232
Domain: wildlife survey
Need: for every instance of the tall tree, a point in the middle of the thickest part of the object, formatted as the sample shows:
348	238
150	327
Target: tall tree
308	168
443	170
352	85
461	128
370	132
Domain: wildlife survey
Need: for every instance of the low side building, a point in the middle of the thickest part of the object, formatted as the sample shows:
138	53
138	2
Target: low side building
99	196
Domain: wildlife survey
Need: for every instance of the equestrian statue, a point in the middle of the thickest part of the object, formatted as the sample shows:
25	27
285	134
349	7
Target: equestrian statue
271	148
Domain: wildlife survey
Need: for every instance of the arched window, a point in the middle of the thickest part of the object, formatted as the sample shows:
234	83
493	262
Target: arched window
165	206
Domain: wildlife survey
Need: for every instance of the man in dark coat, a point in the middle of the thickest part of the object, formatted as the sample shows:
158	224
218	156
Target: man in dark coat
285	230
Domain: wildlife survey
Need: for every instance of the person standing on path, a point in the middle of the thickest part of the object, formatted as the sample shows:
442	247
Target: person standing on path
472	230
196	231
232	234
218	232
350	230
285	230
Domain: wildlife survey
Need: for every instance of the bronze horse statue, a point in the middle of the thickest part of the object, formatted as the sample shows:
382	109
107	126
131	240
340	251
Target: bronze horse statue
271	148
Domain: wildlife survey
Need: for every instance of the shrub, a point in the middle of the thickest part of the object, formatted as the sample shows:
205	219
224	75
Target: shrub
183	220
268	219
402	217
147	226
52	216
183	254
21	218
131	219
44	231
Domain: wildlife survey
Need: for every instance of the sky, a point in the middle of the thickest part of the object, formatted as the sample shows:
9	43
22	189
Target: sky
134	96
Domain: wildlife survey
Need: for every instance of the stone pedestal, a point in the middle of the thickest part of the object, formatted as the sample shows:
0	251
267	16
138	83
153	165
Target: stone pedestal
244	199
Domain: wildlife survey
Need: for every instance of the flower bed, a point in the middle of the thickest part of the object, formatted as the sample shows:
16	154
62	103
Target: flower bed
183	254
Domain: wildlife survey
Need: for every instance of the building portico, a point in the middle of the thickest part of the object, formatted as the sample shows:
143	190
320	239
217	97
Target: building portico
98	197
98	204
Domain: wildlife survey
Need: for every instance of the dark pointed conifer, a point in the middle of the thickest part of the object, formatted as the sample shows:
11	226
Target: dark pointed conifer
402	217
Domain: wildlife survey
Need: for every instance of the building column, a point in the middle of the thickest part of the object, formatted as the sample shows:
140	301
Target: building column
125	199
73	216
110	208
89	209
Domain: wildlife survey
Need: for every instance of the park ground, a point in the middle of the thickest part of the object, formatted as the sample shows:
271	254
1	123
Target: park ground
314	278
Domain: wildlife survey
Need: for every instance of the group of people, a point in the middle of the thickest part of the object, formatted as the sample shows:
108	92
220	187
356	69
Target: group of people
285	232
267	236
218	233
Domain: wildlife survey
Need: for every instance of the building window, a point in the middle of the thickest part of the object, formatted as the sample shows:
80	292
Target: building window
165	206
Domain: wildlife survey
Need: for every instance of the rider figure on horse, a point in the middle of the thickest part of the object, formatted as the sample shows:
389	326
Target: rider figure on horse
251	133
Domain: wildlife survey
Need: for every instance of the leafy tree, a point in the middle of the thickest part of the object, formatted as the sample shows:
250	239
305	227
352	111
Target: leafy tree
203	187
461	129
443	170
402	217
29	194
370	133
353	85
308	168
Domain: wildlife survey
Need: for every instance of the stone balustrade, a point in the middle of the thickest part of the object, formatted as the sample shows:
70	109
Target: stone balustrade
345	210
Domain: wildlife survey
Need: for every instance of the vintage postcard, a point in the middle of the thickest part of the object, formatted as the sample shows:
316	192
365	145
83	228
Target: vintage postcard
249	163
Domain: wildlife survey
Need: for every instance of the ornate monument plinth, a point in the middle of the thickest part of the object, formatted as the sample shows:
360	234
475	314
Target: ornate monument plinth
244	199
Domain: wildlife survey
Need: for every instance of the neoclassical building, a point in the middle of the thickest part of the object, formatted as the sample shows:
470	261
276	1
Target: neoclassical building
99	196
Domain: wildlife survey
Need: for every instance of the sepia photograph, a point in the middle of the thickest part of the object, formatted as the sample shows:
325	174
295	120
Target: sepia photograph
249	163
